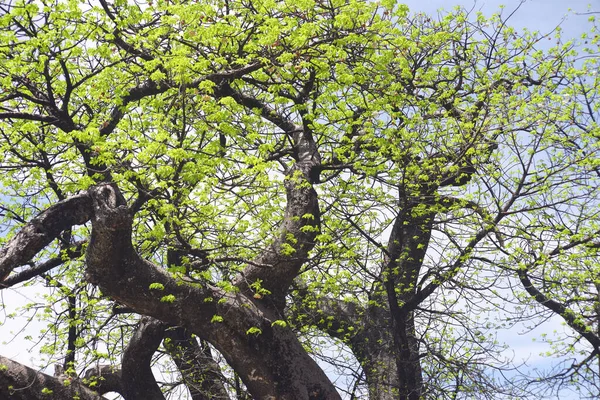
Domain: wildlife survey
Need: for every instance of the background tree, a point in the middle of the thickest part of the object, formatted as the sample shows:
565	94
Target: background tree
213	188
554	253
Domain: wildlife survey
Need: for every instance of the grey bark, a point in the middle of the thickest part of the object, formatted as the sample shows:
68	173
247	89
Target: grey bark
374	348
199	371
406	250
371	338
271	362
384	338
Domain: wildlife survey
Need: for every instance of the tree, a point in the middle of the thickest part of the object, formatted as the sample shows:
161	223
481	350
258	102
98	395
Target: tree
224	184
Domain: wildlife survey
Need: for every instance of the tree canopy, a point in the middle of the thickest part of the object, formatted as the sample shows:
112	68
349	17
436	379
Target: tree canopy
242	195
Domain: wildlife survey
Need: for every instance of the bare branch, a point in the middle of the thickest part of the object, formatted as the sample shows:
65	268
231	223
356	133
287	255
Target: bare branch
559	309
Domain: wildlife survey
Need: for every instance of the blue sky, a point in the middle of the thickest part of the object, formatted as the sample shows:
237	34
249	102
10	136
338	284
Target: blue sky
542	15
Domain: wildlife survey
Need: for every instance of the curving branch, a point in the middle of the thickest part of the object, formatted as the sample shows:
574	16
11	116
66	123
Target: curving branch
42	230
28	117
560	309
31	272
329	315
104	379
152	88
136	369
289	251
266	111
287	372
370	336
302	219
42	267
114	265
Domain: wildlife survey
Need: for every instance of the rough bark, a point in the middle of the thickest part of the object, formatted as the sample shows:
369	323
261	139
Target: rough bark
23	383
201	374
246	332
371	340
408	360
375	350
41	268
274	267
199	371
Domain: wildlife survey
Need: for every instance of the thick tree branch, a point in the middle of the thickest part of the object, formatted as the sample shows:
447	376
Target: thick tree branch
28	117
289	251
32	272
42	230
329	315
41	268
302	218
104	379
135	380
152	88
377	353
407	246
136	368
370	336
115	266
266	111
23	383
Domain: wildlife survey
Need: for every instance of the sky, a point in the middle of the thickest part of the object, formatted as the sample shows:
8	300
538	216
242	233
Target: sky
541	15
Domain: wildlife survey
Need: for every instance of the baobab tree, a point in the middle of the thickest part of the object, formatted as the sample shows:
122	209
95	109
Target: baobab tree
214	186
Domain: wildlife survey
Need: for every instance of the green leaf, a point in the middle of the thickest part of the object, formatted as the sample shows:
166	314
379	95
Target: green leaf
156	286
168	298
254	331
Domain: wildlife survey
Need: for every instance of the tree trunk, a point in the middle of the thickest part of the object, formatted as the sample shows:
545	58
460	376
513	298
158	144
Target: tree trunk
374	348
136	370
408	362
406	251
